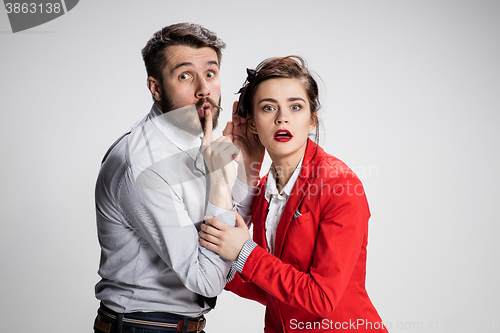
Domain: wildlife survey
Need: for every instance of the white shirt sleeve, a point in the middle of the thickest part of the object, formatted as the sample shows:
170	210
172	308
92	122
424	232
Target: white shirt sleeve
242	199
162	220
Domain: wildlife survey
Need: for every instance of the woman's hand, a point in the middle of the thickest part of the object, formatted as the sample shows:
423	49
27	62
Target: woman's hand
252	151
223	239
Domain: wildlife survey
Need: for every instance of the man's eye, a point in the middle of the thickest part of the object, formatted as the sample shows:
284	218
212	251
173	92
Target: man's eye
210	75
296	107
184	76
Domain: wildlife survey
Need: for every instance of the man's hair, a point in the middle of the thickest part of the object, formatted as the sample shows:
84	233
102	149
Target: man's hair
187	34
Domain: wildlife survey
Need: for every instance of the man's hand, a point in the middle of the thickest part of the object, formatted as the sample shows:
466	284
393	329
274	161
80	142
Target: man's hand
252	151
218	156
223	239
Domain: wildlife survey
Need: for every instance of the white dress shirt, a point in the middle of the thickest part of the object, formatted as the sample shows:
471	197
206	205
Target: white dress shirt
150	202
277	202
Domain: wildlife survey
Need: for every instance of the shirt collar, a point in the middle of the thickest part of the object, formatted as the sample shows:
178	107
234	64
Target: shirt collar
271	188
181	139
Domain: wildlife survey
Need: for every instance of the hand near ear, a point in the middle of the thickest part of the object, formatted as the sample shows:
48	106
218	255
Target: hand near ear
223	239
219	155
252	151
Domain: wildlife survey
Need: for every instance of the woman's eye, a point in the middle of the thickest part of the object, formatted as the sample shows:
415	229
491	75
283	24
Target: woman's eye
269	108
296	107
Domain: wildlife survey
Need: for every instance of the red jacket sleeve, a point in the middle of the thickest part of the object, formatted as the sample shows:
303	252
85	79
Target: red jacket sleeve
246	289
340	214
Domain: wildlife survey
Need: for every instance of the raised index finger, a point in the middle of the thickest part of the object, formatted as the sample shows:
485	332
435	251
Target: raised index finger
208	134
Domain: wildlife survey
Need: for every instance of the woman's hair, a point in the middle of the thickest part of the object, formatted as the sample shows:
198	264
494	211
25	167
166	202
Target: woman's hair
290	67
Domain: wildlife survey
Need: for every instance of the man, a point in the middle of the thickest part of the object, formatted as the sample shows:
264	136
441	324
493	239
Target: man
156	184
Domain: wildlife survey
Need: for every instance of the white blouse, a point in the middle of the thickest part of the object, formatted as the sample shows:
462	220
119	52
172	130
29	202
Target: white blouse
277	202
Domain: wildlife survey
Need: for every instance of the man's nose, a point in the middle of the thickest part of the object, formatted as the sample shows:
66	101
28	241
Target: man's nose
202	89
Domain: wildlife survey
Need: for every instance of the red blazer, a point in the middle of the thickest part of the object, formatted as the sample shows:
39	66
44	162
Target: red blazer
315	282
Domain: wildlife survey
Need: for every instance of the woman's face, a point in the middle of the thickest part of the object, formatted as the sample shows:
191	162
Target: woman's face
282	118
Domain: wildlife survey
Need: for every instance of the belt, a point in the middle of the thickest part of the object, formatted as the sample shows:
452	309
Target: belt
138	319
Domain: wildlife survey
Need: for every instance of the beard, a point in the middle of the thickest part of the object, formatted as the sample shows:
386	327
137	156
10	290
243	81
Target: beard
187	118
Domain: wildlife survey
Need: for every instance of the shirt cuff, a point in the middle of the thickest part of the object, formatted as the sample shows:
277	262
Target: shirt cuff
242	193
226	216
231	274
244	254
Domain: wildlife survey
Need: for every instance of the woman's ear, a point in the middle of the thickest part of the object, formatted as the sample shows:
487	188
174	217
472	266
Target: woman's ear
251	125
314	121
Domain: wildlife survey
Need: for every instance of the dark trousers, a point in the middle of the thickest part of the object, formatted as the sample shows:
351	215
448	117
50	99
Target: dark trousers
108	321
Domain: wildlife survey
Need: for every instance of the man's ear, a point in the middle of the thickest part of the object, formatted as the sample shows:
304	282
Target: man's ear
251	126
154	88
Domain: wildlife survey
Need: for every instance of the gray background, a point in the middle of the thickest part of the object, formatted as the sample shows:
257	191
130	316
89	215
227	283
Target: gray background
410	93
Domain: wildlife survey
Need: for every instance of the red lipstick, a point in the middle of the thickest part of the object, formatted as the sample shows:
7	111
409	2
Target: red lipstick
283	135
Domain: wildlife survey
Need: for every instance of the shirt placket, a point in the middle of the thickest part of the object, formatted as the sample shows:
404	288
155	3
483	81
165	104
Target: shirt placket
272	223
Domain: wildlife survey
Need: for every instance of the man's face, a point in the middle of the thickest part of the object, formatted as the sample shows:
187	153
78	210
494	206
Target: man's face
191	76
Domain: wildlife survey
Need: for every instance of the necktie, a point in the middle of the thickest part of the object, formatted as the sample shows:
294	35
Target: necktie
210	301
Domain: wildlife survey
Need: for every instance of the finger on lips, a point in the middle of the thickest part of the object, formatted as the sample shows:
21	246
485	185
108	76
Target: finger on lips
208	133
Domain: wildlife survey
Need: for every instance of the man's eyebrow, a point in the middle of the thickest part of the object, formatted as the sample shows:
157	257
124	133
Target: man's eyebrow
180	65
212	62
187	64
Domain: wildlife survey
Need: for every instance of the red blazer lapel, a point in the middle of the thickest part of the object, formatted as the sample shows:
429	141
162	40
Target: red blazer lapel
299	190
259	213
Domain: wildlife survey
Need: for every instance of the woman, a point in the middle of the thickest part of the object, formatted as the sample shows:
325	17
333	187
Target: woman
307	259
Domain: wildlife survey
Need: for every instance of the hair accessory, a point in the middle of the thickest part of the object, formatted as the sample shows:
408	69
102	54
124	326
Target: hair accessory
241	111
251	74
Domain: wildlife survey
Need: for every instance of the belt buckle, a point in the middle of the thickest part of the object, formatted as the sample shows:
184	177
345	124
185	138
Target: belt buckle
200	325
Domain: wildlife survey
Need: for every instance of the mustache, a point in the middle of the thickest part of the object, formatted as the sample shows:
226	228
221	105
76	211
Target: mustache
215	107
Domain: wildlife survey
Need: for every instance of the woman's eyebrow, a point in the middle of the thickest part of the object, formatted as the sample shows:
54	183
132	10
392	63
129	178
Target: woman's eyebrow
272	100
